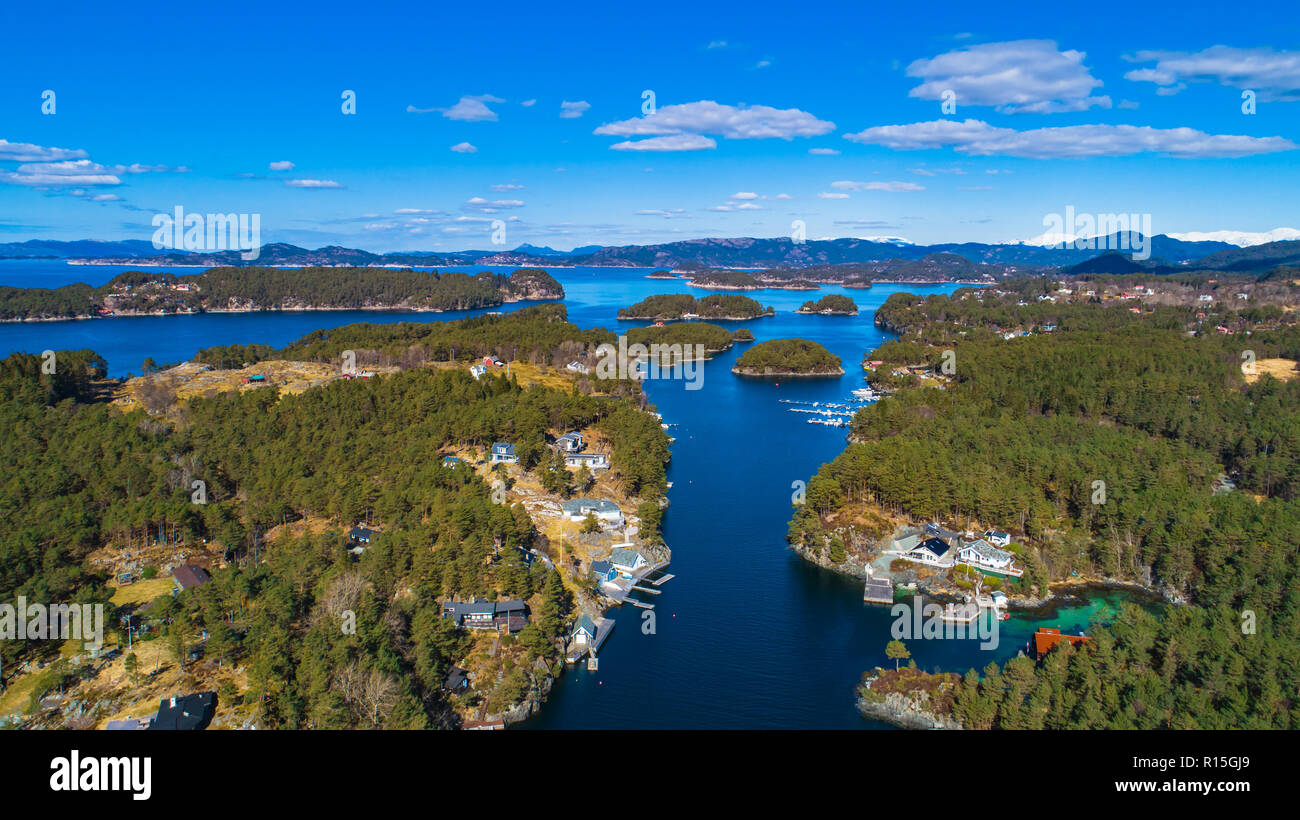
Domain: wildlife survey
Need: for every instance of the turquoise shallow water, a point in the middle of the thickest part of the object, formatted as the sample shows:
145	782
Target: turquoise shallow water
747	635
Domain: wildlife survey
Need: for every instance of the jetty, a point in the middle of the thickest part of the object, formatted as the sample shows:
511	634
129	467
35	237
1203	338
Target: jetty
878	591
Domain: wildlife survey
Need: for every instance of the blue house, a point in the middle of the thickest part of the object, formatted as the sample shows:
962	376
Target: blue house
604	571
504	453
450	461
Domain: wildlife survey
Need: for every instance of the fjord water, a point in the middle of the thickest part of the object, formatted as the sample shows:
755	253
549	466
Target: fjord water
747	635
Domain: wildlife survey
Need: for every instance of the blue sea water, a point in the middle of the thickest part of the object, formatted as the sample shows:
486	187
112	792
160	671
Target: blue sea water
747	635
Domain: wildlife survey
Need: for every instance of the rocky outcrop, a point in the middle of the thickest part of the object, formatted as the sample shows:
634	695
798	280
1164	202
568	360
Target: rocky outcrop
907	710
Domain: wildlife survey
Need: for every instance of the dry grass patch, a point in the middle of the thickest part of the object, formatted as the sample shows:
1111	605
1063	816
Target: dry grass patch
1280	369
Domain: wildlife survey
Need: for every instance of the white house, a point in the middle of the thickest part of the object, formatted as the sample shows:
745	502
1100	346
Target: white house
983	554
932	552
627	561
504	453
593	461
584	632
577	367
477	371
570	442
605	511
997	539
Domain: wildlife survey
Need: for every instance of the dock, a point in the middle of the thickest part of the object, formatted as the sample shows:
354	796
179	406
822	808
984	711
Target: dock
878	591
660	581
647	590
641	604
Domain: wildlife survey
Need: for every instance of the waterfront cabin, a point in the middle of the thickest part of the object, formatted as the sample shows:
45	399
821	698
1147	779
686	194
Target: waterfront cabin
570	442
477	371
607	512
577	367
503	453
983	555
997	539
627	561
584	633
1046	638
932	552
188	576
603	571
593	461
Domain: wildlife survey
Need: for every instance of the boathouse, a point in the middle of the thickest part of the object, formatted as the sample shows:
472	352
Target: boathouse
1046	638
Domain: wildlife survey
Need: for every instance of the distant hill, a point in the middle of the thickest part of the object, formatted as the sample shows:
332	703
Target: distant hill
48	248
744	253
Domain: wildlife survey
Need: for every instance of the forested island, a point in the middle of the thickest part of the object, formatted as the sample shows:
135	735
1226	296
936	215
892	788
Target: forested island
714	338
284	477
673	306
1119	438
740	280
243	289
788	357
832	304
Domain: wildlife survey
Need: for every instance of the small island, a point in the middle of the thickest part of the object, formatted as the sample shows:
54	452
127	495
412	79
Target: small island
741	280
832	304
662	274
714	338
788	357
670	306
858	283
742	335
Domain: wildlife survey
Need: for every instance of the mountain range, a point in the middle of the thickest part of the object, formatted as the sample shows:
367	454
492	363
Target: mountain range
1167	254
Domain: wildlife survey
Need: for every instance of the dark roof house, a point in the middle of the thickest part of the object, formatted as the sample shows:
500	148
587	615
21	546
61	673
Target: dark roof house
188	576
185	712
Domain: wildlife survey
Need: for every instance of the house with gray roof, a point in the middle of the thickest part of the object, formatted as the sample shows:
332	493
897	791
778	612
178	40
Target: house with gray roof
576	509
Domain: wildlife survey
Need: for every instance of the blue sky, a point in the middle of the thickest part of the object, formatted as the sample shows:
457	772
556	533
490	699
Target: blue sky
190	105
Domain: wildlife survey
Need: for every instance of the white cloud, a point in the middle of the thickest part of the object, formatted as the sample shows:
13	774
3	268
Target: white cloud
27	152
281	165
666	213
464	148
729	121
1274	75
892	187
507	186
573	110
1021	76
749	206
472	109
674	142
528	103
829	195
978	138
745	195
823	152
64	173
717	44
490	206
312	183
